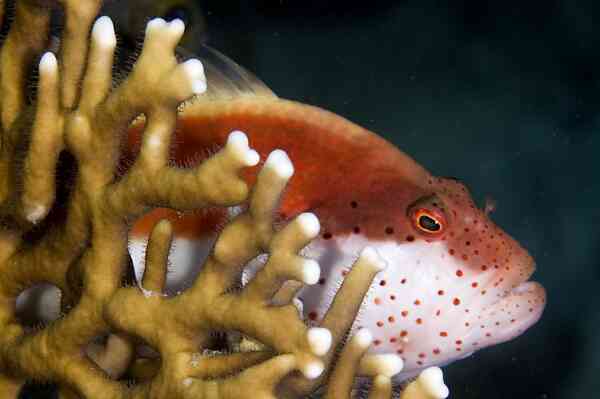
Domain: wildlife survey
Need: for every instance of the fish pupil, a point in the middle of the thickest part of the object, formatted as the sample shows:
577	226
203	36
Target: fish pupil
429	223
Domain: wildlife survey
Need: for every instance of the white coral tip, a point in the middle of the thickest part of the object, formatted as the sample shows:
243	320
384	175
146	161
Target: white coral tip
48	62
238	143
198	86
279	161
313	370
390	364
319	340
177	27
194	71
311	271
432	381
154	24
103	32
371	255
363	338
309	223
154	141
252	158
238	139
194	68
36	213
386	364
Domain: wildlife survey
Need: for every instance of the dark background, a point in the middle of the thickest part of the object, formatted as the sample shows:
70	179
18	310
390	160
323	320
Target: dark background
502	94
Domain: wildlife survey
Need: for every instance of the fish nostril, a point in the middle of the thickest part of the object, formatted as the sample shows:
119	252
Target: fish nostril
489	205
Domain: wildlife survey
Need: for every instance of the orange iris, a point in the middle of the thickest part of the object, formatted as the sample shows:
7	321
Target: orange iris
428	221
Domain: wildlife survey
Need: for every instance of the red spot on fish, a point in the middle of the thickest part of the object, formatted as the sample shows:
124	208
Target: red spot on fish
377	301
459	273
456	301
327	235
312	315
443	334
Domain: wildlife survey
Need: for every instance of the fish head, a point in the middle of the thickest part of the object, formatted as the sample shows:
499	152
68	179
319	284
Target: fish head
455	281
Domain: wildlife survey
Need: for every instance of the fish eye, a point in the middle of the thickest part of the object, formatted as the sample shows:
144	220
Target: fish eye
428	221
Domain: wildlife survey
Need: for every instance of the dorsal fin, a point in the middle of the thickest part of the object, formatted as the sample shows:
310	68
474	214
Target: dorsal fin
226	78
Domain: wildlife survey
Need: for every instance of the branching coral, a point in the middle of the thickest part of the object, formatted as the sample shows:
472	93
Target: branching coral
79	243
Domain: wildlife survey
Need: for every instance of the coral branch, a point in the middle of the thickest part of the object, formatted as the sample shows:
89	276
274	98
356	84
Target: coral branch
26	39
79	16
46	144
341	378
346	301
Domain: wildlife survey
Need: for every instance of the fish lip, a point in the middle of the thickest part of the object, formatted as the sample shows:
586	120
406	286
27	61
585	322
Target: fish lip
524	285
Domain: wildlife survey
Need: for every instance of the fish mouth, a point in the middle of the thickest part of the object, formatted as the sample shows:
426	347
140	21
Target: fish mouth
518	309
520	305
526	302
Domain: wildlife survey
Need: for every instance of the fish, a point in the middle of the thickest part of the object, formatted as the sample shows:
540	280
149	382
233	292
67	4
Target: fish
455	282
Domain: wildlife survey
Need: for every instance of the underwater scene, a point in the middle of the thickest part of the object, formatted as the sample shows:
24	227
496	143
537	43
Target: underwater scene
373	189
